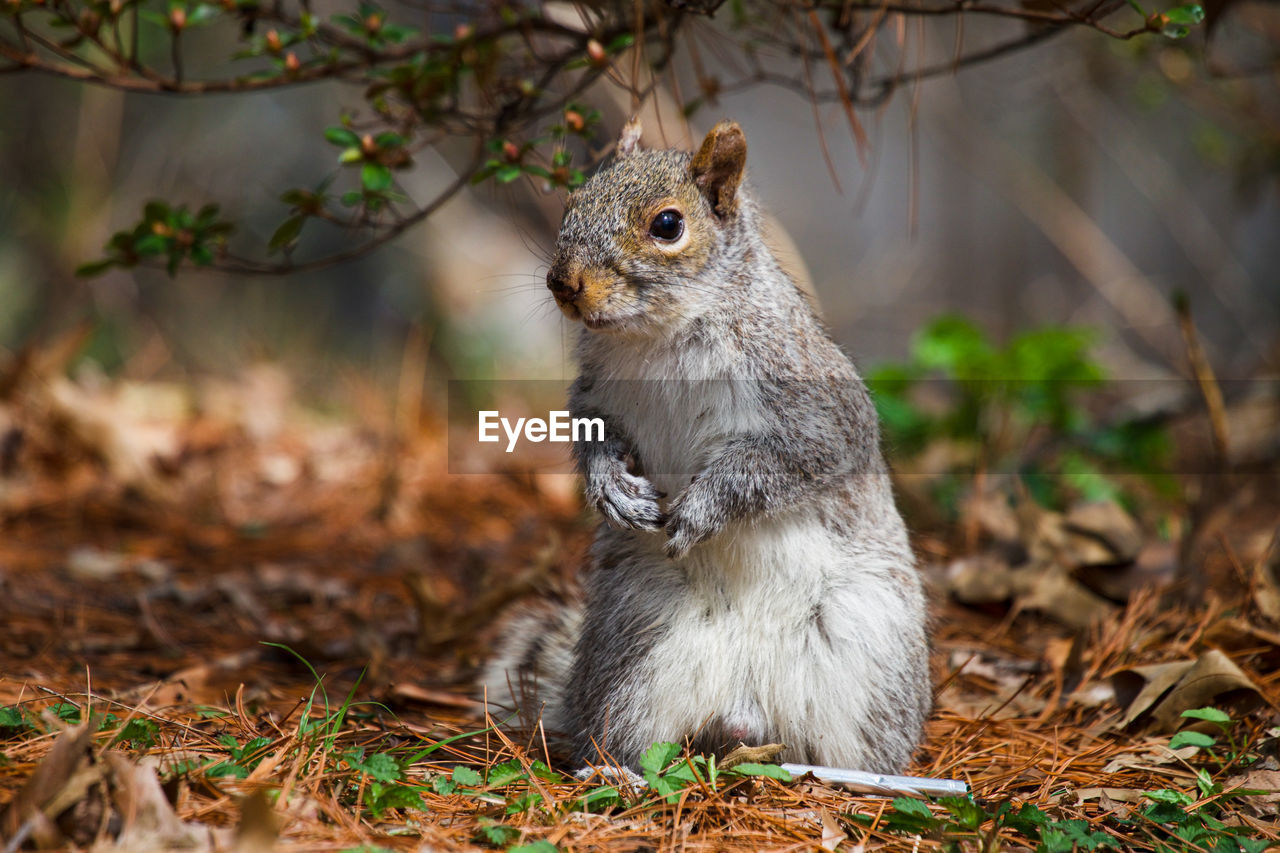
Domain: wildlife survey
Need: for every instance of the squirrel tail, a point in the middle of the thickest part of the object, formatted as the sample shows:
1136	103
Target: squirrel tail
524	681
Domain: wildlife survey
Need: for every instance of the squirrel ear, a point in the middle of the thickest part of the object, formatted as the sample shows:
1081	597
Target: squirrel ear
718	165
629	139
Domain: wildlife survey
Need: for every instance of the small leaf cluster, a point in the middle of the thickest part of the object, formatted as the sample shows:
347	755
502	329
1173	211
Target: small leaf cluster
1218	719
136	733
180	16
1175	23
384	789
376	155
512	160
370	24
172	233
241	758
669	772
1170	821
999	398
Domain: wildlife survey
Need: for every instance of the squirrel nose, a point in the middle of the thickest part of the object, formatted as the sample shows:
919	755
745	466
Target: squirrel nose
565	288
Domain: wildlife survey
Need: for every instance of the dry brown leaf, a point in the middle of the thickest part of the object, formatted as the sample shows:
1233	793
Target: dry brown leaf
1049	589
1166	690
148	821
1214	680
1157	756
69	754
832	834
990	510
743	754
1118	795
1266	582
1105	523
1263	805
1137	688
259	826
1236	633
980	579
1155	566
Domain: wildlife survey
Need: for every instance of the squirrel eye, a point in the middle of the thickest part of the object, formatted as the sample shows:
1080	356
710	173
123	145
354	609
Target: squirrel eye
667	225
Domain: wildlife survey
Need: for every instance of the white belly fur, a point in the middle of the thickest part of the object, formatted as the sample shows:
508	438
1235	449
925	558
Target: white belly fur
740	644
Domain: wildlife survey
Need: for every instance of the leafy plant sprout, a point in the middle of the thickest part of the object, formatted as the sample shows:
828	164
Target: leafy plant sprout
510	81
1020	407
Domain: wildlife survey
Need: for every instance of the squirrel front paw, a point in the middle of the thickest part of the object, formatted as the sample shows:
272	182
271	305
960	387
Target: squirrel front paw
626	500
689	521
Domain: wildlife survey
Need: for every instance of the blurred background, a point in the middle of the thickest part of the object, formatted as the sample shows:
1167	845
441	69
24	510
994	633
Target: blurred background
1083	180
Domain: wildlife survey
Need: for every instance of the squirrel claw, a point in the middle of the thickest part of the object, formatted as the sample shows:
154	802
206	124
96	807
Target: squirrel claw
685	529
628	501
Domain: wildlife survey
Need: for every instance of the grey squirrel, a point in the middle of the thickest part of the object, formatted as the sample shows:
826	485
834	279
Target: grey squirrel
751	580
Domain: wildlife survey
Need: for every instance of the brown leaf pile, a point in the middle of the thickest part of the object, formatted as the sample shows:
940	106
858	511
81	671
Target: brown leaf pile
153	537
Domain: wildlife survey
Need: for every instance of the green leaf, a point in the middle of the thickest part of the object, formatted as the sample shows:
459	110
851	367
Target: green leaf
955	346
658	757
967	813
342	137
466	776
1190	738
537	846
621	42
203	13
1205	783
94	268
380	766
140	732
602	797
508	173
523	803
505	773
911	816
1080	835
287	233
1169	796
1054	840
12	717
375	177
151	244
542	771
1188	15
1028	820
1213	715
393	796
912	807
66	711
498	834
351	155
771	771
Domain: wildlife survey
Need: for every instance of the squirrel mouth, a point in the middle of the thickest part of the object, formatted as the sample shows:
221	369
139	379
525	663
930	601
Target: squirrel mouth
597	322
594	320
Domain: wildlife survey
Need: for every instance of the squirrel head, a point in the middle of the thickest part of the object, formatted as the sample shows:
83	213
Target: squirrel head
641	241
